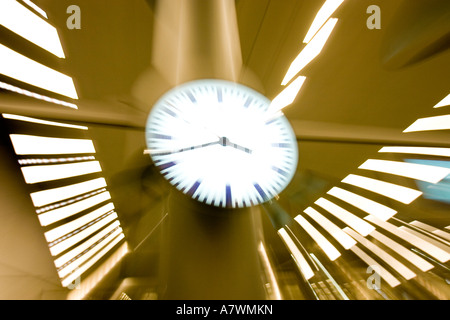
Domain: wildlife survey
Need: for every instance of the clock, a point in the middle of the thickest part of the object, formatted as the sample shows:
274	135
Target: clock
219	143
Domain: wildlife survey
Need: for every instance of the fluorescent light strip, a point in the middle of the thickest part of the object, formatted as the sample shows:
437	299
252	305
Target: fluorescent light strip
69	227
49	123
96	275
404	271
19	67
322	16
78	272
287	96
350	219
440	244
35	174
369	206
36	95
69	201
423	245
336	285
270	273
30	145
42	198
300	261
54	160
28	25
55	215
310	51
85	257
423	226
383	273
442	152
423	172
431	123
413	258
443	102
344	239
69	242
390	190
65	258
323	243
442	234
36	8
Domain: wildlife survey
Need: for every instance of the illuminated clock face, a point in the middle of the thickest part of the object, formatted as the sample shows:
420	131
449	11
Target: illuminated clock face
217	142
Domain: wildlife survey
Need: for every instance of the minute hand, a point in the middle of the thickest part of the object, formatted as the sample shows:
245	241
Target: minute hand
166	152
226	142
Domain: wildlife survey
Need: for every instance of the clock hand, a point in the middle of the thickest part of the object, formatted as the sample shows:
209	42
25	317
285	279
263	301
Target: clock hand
224	141
166	152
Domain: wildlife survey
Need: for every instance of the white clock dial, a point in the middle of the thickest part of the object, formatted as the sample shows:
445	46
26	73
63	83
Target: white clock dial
215	141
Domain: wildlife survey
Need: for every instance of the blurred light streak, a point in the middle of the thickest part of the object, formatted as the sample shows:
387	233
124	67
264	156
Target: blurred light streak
35	174
30	26
92	227
423	172
58	214
323	243
442	244
347	217
390	190
344	239
396	265
31	145
300	261
443	102
19	67
44	197
79	271
402	251
443	152
420	243
36	8
39	121
336	285
98	274
386	275
325	12
369	206
64	272
310	51
63	259
430	123
36	95
73	225
287	96
270	273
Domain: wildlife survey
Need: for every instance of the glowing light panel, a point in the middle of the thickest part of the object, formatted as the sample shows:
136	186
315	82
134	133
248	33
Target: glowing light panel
431	123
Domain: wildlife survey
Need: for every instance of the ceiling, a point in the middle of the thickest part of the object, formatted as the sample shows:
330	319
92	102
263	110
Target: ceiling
360	93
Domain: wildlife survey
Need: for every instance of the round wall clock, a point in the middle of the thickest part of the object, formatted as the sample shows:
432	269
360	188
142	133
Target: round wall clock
216	141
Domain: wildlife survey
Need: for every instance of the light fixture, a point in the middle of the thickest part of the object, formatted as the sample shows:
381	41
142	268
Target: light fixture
36	8
19	67
404	271
30	26
390	190
347	217
35	174
443	102
432	151
40	121
327	9
344	239
310	51
323	243
423	172
407	254
287	96
300	261
31	145
367	205
430	123
420	243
